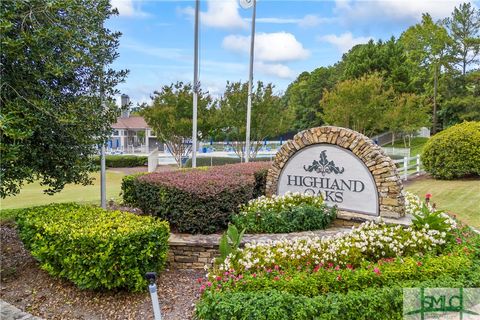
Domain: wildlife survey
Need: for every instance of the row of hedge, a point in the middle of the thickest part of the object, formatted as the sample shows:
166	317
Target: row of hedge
122	161
94	248
219	161
196	200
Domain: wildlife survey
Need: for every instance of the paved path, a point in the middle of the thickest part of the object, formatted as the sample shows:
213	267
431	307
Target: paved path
9	312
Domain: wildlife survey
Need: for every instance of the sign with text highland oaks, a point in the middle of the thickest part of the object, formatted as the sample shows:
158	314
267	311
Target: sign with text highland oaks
335	173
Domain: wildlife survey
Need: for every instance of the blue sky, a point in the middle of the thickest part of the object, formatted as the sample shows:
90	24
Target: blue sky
292	36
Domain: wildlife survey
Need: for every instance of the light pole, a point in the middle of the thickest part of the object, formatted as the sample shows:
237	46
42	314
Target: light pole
195	88
247	4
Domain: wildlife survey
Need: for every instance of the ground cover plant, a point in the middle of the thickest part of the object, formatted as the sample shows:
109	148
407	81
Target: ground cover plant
92	247
197	200
282	214
328	278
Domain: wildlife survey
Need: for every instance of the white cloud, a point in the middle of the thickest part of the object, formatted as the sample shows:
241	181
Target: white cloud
269	47
344	42
307	21
278	70
400	10
219	14
128	8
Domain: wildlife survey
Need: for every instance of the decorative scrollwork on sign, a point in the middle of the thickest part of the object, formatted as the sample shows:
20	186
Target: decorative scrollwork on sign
324	166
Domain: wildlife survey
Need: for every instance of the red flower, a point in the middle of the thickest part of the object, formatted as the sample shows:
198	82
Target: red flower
419	263
218	278
276	278
254	275
339	278
428	196
349	266
199	280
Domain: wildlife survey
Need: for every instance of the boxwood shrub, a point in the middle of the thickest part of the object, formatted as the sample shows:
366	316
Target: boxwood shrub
122	161
454	152
94	248
200	200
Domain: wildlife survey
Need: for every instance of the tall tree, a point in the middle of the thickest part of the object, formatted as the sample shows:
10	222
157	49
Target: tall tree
54	63
359	104
464	29
427	46
387	58
269	118
304	94
170	116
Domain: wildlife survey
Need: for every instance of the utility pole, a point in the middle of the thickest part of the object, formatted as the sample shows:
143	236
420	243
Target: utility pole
247	4
196	86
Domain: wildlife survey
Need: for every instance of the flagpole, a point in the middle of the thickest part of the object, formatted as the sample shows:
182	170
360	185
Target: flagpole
250	80
195	88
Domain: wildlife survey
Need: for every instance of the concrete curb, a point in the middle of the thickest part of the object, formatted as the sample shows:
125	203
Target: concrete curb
9	312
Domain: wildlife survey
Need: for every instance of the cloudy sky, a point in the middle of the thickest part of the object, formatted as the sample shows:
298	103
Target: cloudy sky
292	36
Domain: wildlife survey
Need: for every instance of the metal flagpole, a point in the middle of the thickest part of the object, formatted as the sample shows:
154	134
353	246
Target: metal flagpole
103	177
250	80
195	89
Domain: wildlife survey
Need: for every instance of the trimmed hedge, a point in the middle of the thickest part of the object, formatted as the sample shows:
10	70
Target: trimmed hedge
371	303
200	200
454	152
122	161
94	248
220	161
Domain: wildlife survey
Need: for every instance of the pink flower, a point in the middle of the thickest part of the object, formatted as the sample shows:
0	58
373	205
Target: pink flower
337	268
226	273
459	240
202	288
199	280
330	265
240	276
269	270
218	278
276	278
339	278
209	284
254	275
376	270
349	266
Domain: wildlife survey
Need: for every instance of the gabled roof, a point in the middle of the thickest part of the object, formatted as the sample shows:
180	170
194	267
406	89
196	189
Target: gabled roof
130	123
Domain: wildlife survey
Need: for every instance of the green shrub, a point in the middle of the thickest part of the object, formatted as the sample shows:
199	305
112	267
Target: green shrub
322	279
219	161
369	304
128	188
200	200
94	248
282	214
122	161
454	152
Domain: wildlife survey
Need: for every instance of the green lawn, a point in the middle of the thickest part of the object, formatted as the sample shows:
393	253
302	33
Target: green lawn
32	194
416	145
460	197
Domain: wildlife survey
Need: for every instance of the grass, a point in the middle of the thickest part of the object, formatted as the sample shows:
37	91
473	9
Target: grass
32	194
460	197
416	145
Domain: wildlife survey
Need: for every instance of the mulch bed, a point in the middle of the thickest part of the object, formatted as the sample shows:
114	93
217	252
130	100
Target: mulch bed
25	286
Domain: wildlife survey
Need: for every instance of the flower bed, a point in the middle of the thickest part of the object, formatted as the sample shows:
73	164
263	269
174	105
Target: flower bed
197	201
94	248
283	214
329	278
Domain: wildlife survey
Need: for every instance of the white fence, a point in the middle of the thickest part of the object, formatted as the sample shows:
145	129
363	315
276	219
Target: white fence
407	164
402	152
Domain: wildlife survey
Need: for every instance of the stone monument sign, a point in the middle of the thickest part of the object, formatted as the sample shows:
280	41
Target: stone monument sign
343	166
